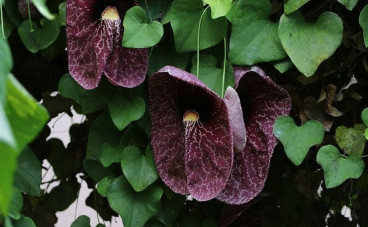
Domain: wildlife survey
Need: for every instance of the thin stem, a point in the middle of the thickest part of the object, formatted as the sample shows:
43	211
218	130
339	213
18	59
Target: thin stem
149	13
224	69
29	16
2	21
198	34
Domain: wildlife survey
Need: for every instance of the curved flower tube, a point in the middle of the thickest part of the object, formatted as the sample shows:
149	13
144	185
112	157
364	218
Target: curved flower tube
94	33
262	102
191	134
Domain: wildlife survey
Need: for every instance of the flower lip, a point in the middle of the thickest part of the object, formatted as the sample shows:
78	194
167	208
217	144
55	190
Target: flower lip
110	13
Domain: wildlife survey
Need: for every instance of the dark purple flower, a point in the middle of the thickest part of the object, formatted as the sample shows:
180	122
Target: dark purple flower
262	102
94	34
191	134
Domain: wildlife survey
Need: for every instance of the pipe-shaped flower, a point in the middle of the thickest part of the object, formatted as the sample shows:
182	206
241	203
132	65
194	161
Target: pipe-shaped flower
262	101
94	33
191	134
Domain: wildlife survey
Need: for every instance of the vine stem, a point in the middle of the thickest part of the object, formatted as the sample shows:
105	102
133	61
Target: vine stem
29	16
2	21
198	35
224	69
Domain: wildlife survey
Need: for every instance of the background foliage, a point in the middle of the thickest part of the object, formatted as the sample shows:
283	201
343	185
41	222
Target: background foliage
316	49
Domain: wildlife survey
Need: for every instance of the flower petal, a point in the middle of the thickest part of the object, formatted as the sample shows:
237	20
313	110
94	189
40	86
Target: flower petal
236	119
196	161
262	102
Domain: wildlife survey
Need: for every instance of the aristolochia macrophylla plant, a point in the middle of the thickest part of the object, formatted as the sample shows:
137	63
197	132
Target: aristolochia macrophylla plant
94	34
262	102
191	134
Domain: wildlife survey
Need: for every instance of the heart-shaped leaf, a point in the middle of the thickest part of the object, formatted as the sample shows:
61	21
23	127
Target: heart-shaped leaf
282	65
24	221
40	38
363	21
15	204
349	4
365	116
254	37
337	169
139	169
185	18
351	140
135	208
138	32
110	154
293	5
219	8
124	111
211	75
297	140
103	185
81	221
309	44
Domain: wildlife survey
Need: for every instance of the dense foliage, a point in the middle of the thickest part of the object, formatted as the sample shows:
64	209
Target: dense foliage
106	60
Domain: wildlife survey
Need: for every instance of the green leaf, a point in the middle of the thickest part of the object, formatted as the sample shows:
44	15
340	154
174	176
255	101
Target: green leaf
15	204
297	140
139	169
102	131
349	4
211	75
219	8
282	65
124	111
40	38
337	169
366	134
351	140
81	221
110	154
42	8
293	5
6	64
364	116
254	37
309	44
138	32
135	208
27	177
26	117
63	195
103	185
89	100
363	21
62	13
95	170
155	8
185	16
24	221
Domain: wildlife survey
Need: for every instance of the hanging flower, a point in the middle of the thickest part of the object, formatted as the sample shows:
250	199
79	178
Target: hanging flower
262	102
191	134
94	34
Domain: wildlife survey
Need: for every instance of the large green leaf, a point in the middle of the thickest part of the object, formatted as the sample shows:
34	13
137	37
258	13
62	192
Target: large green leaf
363	21
42	8
26	118
337	169
27	177
89	100
309	44
185	16
297	140
135	208
293	5
39	38
351	140
254	37
124	111
139	169
139	32
212	75
349	4
219	8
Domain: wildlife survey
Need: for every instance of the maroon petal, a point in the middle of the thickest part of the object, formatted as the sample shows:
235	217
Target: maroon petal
198	159
262	102
232	101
